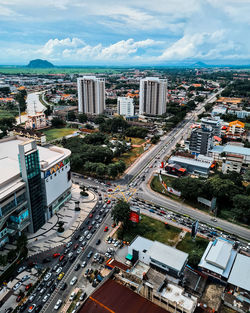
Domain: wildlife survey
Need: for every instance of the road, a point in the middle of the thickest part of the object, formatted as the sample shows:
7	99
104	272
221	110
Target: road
34	104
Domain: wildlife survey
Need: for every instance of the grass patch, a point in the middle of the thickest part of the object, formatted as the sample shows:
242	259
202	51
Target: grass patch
135	141
247	126
130	156
8	113
57	133
188	245
154	230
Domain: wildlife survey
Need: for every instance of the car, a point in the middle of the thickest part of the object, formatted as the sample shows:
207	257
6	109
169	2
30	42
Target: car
96	256
60	276
69	244
90	227
31	307
87	222
108	202
72	258
101	259
100	220
77	236
21	269
61	257
110	241
106	228
73	281
23	307
89	236
42	291
109	190
70	254
58	271
28	286
214	219
82	296
108	255
32	297
24	278
77	305
84	243
56	255
53	287
49	283
64	262
114	225
47	277
97	225
97	217
18	298
90	215
58	304
86	272
72	296
46	260
38	308
90	254
46	298
98	242
84	263
79	250
16	286
64	286
55	267
81	238
116	244
77	267
76	246
86	233
93	223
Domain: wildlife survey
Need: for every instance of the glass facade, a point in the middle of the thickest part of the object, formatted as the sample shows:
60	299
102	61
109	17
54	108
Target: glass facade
12	204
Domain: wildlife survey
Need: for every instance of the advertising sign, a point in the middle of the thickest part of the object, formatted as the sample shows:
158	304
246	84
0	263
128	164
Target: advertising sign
134	217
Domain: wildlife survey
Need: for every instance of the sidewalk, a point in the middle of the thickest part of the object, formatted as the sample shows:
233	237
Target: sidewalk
47	237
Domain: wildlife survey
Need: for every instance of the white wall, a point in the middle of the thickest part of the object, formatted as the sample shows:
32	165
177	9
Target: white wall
56	185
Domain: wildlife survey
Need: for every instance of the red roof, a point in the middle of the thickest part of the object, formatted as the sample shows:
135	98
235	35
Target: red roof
113	297
217	138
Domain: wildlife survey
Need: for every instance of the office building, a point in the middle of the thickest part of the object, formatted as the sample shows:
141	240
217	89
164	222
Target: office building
125	106
201	140
91	95
214	123
153	96
34	184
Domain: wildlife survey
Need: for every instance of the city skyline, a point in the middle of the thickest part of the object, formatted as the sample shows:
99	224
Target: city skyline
116	33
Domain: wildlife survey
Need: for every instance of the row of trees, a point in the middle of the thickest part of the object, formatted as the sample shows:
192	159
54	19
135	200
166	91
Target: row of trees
233	198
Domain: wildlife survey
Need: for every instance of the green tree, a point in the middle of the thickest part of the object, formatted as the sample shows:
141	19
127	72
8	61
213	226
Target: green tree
71	116
58	122
112	170
241	208
121	212
82	118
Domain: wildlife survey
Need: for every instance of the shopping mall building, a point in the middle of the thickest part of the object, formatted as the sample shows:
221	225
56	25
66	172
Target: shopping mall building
34	183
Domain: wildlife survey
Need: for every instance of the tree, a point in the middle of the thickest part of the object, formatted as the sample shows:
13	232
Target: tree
71	116
58	122
82	118
22	242
21	99
112	170
121	212
241	208
11	255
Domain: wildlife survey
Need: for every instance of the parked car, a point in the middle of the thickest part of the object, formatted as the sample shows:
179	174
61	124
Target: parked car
24	278
58	304
47	277
55	255
72	296
64	286
84	263
28	287
16	286
73	281
32	308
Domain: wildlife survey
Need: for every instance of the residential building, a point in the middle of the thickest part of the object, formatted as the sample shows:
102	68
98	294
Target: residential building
192	166
91	95
218	259
36	121
239	112
236	128
219	110
44	174
125	106
232	163
153	96
214	123
158	255
218	152
201	140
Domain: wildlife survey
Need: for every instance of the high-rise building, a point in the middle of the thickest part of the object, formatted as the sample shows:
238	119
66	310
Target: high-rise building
125	106
91	95
153	96
215	123
201	140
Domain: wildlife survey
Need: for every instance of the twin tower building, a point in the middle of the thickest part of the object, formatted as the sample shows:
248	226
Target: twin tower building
153	97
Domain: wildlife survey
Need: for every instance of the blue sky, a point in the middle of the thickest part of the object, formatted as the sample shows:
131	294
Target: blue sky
109	32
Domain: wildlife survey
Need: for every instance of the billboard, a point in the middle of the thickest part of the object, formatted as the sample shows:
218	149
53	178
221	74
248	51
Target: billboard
134	217
194	230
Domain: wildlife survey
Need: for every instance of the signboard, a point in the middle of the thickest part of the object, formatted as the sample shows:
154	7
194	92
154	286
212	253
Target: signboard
134	217
194	230
56	167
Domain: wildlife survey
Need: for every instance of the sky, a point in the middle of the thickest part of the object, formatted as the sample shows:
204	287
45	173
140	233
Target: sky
127	32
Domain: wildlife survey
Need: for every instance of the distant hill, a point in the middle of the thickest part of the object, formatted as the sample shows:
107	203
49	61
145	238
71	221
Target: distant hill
38	63
200	64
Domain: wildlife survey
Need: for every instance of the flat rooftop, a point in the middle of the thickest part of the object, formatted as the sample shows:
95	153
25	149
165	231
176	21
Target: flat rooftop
189	161
9	156
240	273
114	297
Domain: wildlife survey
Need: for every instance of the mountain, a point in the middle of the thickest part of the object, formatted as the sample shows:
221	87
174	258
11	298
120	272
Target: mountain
38	63
200	64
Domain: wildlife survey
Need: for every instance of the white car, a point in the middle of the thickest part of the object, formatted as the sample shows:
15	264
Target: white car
24	278
58	271
89	236
69	244
73	281
16	286
58	304
45	299
72	296
32	297
70	254
79	250
81	239
84	263
47	277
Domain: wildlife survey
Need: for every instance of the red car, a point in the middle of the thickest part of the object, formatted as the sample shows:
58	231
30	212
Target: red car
76	246
61	257
106	229
18	299
55	255
110	189
90	227
90	215
162	212
108	202
28	286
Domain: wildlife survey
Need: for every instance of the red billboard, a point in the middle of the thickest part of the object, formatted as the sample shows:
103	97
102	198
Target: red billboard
134	217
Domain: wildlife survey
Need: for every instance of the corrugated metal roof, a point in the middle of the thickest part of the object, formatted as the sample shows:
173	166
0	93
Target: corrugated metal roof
240	273
219	253
189	161
236	150
113	297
